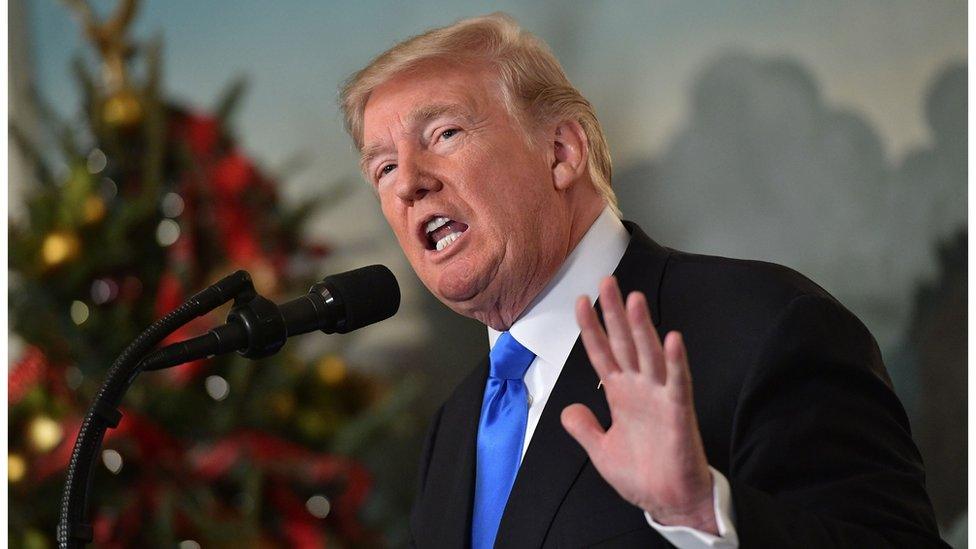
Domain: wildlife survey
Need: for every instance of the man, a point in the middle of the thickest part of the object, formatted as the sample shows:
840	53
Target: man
494	175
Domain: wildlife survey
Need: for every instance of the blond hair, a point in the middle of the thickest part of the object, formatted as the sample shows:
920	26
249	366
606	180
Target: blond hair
534	85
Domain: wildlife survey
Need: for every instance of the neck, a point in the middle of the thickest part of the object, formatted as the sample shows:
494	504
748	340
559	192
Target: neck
581	225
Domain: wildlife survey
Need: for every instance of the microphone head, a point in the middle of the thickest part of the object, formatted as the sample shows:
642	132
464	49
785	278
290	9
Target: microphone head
365	295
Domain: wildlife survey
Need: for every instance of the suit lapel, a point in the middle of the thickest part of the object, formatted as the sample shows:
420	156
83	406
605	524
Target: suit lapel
554	459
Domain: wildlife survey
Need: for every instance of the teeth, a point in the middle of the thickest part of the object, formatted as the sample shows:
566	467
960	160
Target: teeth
436	223
447	241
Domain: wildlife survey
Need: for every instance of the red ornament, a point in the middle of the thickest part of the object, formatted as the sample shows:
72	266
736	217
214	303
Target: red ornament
169	294
232	174
350	501
201	134
241	245
230	177
298	526
103	526
29	371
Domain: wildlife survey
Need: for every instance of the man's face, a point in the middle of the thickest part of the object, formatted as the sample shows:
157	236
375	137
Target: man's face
439	144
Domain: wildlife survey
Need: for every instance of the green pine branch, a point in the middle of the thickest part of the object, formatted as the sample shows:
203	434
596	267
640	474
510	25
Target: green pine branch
230	99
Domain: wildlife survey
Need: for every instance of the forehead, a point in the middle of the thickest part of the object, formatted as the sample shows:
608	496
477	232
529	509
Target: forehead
428	92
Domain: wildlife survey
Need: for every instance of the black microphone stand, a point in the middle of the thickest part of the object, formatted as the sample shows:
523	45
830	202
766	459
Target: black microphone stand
73	529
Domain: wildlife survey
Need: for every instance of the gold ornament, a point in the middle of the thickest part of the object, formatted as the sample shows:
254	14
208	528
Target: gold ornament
16	468
94	209
122	109
60	247
44	434
331	369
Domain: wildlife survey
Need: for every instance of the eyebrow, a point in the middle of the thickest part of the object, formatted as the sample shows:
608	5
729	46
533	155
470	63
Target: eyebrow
417	117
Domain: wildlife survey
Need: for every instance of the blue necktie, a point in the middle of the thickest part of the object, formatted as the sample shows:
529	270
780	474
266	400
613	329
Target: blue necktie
501	432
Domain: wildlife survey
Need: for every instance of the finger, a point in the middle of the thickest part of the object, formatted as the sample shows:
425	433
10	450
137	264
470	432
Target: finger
582	425
650	355
618	329
595	339
679	374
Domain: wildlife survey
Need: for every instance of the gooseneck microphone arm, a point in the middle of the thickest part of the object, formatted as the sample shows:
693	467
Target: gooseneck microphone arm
256	328
73	528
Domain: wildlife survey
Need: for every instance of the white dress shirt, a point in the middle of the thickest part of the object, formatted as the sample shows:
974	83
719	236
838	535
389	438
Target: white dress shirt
549	329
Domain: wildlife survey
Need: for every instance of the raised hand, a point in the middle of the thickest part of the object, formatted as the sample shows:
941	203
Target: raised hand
652	453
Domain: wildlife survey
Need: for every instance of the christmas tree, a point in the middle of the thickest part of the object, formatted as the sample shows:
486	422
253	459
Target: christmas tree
156	202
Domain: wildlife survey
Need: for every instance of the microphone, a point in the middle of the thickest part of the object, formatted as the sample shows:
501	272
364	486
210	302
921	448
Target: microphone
340	303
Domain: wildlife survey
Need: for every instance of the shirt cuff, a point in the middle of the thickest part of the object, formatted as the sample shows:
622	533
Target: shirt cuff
684	537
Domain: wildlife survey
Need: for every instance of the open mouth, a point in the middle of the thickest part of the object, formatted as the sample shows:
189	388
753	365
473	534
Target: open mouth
442	231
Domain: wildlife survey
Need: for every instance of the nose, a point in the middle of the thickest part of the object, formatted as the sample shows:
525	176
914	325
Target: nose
414	180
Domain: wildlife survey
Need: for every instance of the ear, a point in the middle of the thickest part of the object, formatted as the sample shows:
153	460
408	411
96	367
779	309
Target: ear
570	154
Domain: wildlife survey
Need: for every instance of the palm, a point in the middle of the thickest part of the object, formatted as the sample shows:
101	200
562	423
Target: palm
652	454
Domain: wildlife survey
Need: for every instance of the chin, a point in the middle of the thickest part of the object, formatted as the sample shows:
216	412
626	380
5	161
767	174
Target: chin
462	289
451	289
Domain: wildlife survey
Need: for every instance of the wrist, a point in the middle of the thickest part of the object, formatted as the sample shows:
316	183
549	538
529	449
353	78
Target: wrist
699	515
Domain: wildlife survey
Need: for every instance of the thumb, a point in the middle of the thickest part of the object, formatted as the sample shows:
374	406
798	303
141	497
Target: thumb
582	425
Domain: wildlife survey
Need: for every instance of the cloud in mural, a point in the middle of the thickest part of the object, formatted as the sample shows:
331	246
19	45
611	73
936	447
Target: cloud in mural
766	168
930	183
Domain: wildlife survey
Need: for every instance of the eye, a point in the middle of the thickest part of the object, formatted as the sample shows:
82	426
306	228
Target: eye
385	169
449	133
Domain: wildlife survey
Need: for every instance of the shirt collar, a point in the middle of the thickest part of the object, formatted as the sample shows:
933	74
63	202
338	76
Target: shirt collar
548	326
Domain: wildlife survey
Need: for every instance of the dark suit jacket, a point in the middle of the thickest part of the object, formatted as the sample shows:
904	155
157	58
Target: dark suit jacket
794	405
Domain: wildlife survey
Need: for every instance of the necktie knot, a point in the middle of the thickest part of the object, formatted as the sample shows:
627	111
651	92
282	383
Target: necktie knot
509	359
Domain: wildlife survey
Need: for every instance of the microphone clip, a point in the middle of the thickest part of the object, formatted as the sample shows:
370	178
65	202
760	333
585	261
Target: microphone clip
262	321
